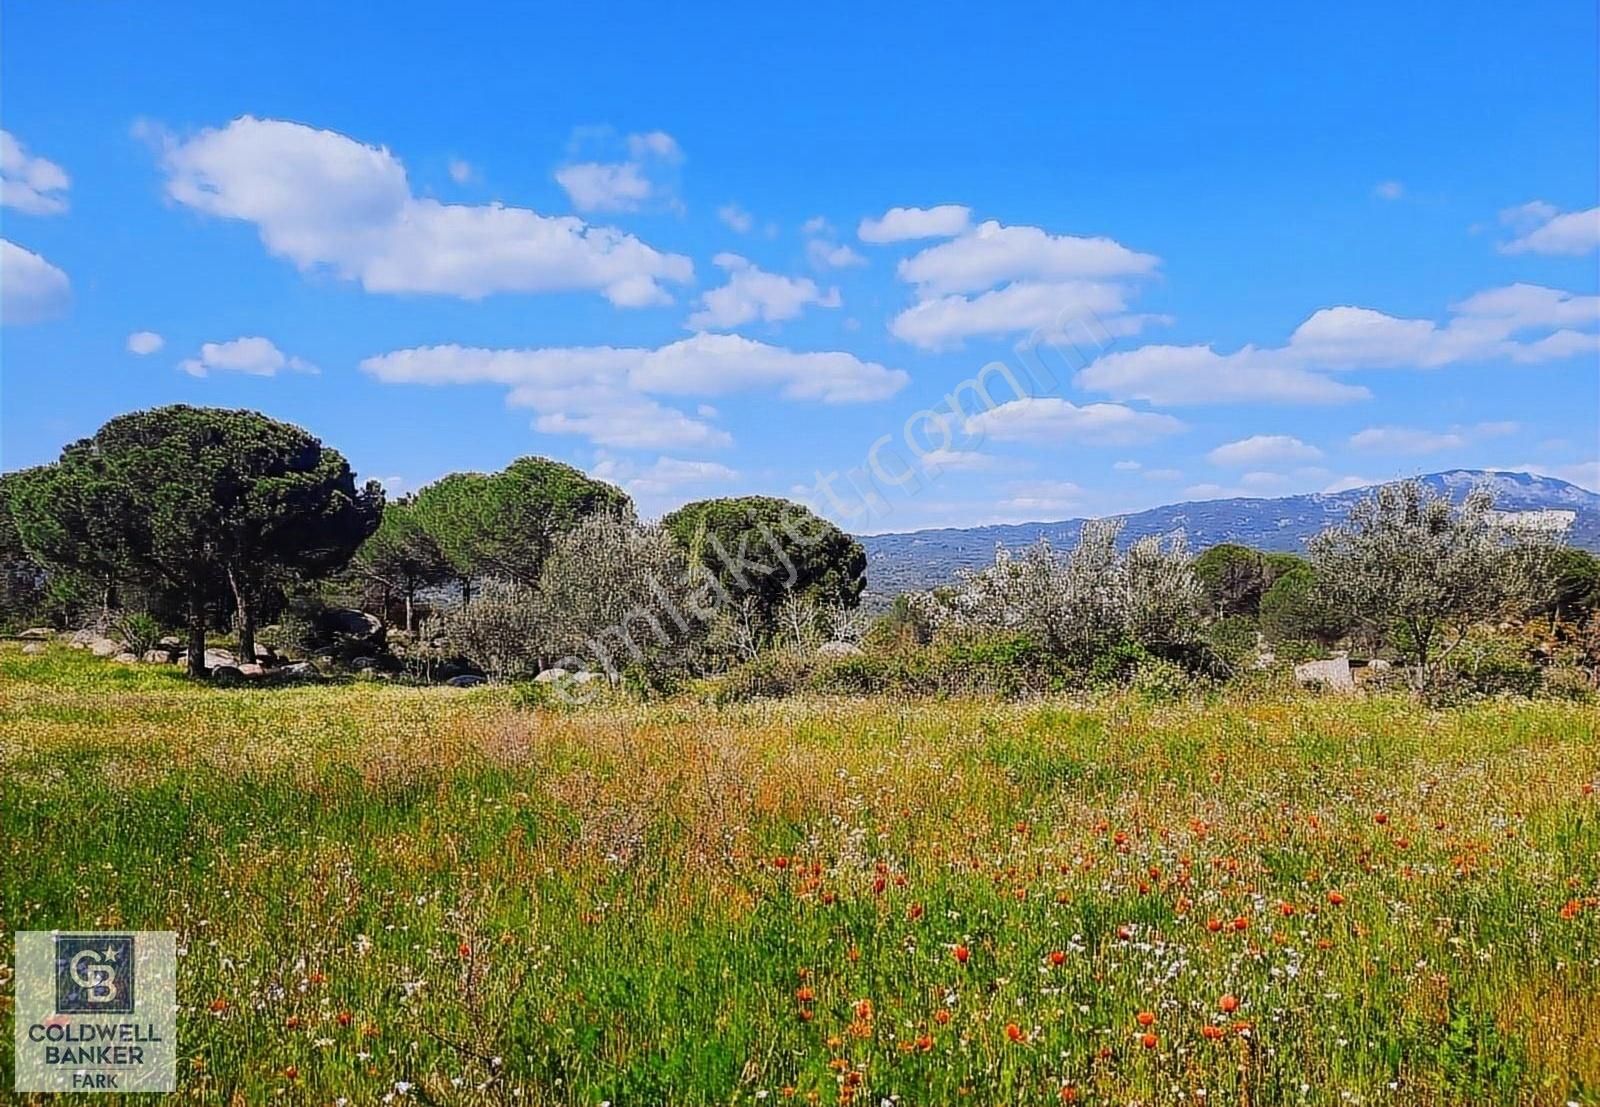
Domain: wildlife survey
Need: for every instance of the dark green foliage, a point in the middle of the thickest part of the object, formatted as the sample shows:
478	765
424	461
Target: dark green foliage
24	583
1295	609
401	557
1236	577
763	549
197	500
1575	585
502	524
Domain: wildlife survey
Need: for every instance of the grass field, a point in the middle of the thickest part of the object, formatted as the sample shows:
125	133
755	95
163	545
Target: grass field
401	895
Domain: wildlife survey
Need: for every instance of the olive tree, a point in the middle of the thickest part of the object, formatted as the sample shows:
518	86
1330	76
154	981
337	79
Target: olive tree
1418	571
1081	603
197	502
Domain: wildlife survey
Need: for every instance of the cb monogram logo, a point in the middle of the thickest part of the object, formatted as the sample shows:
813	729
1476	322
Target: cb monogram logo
94	974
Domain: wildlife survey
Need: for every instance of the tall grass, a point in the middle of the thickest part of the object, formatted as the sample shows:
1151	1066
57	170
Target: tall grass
432	895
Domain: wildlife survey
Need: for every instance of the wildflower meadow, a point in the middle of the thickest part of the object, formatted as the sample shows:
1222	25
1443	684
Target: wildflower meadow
394	895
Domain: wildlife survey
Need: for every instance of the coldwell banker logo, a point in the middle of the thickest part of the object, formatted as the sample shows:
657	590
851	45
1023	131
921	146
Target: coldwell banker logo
96	1012
94	974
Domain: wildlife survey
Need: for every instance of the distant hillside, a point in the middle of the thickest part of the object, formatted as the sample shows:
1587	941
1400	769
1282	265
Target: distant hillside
921	559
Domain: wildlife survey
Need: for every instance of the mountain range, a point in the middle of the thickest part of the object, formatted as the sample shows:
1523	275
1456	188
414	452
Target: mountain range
922	559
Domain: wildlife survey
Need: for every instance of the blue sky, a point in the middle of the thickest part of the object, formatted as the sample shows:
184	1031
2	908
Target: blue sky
1268	254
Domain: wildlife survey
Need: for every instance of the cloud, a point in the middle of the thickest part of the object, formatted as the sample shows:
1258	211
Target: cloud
31	289
1351	483
325	201
1414	440
996	280
1260	449
33	185
736	218
1049	420
462	172
604	392
1491	325
1042	496
753	293
1585	474
960	461
1200	375
1127	466
254	357
1543	229
1406	440
945	322
622	185
832	255
1389	190
663	476
905	224
145	342
992	254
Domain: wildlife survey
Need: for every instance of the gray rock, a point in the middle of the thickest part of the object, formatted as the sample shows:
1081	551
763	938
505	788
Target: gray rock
127	657
584	676
104	647
349	621
364	663
81	638
1333	674
466	680
227	676
171	642
296	669
550	676
839	649
251	669
33	647
37	634
157	657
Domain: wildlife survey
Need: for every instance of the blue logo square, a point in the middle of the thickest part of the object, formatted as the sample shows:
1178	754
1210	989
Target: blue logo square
94	974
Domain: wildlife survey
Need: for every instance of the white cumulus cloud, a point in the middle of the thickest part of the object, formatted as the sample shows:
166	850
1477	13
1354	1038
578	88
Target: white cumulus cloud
752	293
252	356
1491	325
327	202
145	342
607	393
1543	229
906	224
31	289
1050	420
626	185
30	184
1259	449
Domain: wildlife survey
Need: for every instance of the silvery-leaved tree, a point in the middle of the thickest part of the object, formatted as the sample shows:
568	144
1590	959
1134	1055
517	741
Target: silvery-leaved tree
1418	571
615	595
1081	603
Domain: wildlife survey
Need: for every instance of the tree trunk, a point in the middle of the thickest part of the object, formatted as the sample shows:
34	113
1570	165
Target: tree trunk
466	591
410	624
245	614
197	638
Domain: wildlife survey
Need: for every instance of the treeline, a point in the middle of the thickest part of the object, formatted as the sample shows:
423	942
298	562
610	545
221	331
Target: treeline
228	521
216	520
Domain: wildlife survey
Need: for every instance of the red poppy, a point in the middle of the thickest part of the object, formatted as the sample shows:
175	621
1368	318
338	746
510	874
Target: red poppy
1336	898
961	953
1148	1040
1014	1032
1229	1003
1146	1018
1241	923
1058	958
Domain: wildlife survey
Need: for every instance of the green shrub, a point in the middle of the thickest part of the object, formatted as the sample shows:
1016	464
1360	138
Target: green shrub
1492	663
139	631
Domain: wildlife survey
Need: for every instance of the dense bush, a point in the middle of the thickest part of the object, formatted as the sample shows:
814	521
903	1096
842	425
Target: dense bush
1081	604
